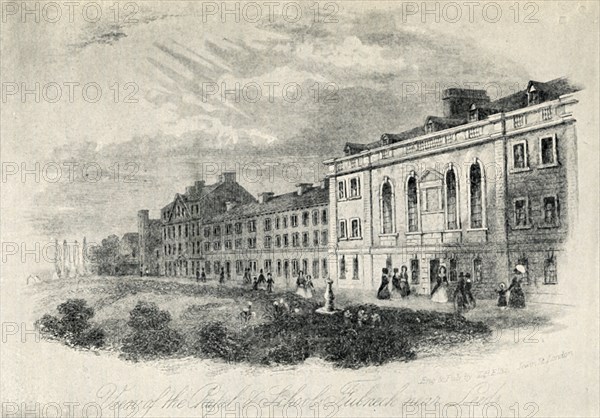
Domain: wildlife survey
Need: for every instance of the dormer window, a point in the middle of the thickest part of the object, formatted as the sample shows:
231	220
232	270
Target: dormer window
533	96
429	127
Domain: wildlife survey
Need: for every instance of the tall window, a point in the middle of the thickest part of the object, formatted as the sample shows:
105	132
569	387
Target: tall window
354	187
305	218
315	217
315	268
550	211
477	269
324	216
476	196
413	216
414	271
548	150
355	228
387	210
520	155
521	211
452	270
355	268
324	269
343	267
341	190
451	204
550	271
343	232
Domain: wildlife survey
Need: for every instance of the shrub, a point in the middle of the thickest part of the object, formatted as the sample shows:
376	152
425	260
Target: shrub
73	326
51	325
75	316
92	337
290	350
147	315
160	342
357	347
151	333
215	340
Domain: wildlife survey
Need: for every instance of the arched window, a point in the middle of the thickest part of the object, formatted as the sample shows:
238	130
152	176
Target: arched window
387	209
451	200
476	193
412	205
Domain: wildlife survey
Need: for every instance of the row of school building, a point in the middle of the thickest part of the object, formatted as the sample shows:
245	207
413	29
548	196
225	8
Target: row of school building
486	186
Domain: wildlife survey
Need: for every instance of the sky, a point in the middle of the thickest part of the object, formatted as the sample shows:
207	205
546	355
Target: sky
130	106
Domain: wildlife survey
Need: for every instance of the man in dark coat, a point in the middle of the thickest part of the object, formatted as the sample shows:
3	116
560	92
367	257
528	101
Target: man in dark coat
269	283
469	298
222	276
197	276
203	276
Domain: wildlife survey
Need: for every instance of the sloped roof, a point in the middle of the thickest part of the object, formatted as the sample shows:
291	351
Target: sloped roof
285	202
550	90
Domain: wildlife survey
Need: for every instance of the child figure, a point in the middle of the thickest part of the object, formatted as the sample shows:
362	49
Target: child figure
502	296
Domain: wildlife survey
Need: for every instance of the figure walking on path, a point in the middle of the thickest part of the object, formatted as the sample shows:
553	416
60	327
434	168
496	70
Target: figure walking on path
502	295
384	292
439	294
516	298
301	285
404	286
471	302
309	287
395	283
270	283
460	298
261	280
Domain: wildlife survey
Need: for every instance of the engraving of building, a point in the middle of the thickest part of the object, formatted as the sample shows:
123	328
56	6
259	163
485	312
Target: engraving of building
281	234
486	186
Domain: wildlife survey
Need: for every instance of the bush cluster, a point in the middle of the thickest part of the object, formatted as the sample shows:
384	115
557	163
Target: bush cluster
151	336
73	326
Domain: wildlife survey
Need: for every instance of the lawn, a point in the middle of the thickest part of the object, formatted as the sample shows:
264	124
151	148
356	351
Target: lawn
204	321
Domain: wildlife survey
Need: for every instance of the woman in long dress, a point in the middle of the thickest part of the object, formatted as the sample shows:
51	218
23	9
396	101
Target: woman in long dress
384	292
516	298
301	285
440	292
404	287
309	287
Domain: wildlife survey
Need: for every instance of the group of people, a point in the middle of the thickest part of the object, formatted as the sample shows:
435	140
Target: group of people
304	285
462	296
516	297
261	282
400	284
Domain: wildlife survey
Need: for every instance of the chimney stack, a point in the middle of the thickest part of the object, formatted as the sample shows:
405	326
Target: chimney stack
228	177
266	196
457	102
303	188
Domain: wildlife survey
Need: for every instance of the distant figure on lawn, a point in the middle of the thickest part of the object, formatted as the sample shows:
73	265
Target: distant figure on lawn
197	276
255	283
395	283
203	276
247	278
309	287
222	276
404	287
384	292
301	285
261	280
502	295
471	302
439	294
517	296
270	282
460	297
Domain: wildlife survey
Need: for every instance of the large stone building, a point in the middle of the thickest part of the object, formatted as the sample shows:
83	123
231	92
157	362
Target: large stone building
486	186
182	219
281	234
